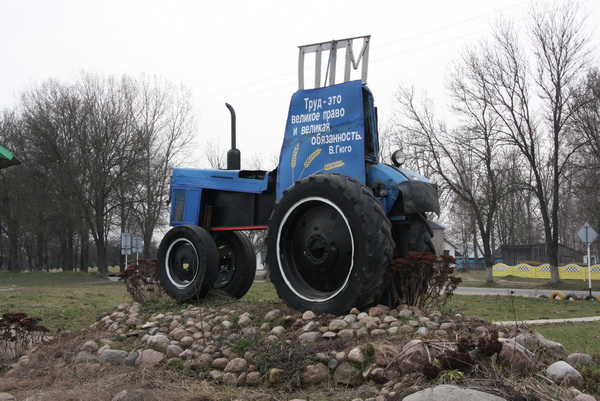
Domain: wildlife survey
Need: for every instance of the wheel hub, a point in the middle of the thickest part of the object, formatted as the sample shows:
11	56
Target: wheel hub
316	249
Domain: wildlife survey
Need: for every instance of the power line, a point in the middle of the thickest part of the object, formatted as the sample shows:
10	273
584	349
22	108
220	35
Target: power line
375	48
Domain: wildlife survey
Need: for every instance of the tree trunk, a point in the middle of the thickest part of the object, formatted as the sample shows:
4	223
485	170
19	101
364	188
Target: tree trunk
13	246
85	247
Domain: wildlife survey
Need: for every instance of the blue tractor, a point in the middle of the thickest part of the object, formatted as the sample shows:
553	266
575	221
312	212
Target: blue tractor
335	215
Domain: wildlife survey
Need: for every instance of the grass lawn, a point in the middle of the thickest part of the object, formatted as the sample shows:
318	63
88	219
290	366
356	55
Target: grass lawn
64	301
73	301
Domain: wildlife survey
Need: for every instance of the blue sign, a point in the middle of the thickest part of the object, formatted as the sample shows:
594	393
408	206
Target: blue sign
324	134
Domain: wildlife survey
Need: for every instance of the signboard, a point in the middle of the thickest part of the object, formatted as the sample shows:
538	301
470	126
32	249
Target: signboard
587	234
138	244
125	243
324	133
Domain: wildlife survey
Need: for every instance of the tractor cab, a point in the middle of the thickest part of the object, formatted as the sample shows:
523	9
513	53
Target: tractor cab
332	127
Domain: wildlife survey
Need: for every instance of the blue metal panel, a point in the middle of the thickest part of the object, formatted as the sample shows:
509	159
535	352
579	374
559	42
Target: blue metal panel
324	133
227	180
185	206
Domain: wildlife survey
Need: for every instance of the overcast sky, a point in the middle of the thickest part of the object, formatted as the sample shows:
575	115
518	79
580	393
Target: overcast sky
241	52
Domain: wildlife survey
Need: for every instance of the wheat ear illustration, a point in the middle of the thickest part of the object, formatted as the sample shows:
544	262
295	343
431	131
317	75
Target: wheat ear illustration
294	159
309	160
331	166
311	157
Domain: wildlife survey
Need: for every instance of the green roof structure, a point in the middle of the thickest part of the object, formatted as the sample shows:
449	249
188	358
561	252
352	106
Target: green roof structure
7	159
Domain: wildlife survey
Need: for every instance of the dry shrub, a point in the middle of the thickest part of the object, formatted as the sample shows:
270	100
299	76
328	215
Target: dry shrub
18	334
142	282
489	345
424	279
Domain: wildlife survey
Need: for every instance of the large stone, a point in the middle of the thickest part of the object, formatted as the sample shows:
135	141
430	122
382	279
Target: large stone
347	375
272	315
517	358
90	346
578	359
186	341
178	334
356	355
308	315
173	351
204	361
216	375
337	325
535	342
310	337
230	378
563	373
315	374
237	365
448	392
253	379
278	331
244	321
375	311
346	333
149	358
115	356
405	313
158	342
241	380
131	358
310	326
220	363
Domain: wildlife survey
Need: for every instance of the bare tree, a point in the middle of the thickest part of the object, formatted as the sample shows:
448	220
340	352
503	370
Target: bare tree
465	161
214	154
164	119
82	135
561	56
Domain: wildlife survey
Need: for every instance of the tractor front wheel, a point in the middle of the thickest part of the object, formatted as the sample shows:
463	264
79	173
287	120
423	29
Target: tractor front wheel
187	263
329	245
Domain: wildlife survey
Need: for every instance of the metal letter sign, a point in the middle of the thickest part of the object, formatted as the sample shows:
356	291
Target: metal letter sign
587	234
324	133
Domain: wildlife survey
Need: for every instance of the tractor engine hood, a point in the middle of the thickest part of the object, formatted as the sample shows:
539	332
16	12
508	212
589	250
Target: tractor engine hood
392	185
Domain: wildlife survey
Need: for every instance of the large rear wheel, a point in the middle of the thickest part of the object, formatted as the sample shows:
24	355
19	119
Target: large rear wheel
187	263
237	263
329	245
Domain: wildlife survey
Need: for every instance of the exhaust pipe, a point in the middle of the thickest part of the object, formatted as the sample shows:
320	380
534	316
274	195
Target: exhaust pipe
234	159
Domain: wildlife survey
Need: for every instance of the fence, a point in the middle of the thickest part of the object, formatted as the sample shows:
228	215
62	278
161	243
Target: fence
570	271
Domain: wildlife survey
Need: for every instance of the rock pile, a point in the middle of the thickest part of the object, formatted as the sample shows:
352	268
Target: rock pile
384	347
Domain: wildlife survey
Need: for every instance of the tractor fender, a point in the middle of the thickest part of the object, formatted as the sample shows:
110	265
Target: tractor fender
403	190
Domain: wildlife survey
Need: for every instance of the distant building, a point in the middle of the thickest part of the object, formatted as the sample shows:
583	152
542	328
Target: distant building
438	237
470	262
515	254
